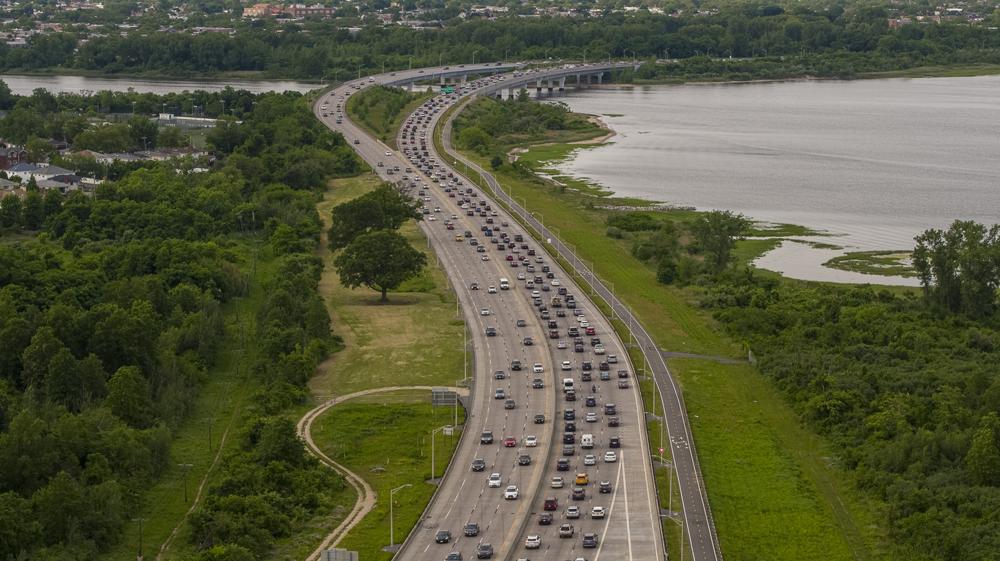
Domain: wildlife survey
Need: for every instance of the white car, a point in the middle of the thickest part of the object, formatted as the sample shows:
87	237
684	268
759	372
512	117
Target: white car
591	417
584	324
610	457
388	153
589	460
557	482
572	512
567	365
484	311
520	276
495	480
510	493
599	349
492	289
580	319
537	368
597	512
431	218
531	441
561	345
533	542
555	282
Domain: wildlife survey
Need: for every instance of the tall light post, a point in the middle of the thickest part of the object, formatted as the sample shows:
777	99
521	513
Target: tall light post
383	66
392	534
474	53
585	55
506	53
440	58
411	62
434	432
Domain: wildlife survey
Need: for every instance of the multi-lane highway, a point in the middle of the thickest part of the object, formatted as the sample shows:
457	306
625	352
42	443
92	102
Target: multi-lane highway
479	245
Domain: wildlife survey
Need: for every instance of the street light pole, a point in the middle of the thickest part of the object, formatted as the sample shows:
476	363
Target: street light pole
434	432
392	535
474	53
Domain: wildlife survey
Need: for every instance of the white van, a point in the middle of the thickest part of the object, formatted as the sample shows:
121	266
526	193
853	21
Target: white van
587	441
504	283
567	384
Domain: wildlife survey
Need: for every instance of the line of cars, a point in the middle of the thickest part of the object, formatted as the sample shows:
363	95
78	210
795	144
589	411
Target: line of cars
556	308
413	142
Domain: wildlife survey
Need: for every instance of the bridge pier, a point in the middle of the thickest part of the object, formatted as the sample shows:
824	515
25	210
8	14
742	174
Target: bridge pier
562	84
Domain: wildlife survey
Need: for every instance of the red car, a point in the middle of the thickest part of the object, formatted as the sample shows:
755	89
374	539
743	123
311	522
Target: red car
510	442
590	331
510	258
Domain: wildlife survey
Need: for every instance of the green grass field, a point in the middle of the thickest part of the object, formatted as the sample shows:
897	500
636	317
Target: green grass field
385	438
414	339
775	490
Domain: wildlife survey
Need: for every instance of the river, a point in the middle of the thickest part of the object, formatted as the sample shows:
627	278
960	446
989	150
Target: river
24	85
872	163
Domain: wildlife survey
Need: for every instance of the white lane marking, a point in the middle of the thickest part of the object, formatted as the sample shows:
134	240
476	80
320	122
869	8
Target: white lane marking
628	525
611	510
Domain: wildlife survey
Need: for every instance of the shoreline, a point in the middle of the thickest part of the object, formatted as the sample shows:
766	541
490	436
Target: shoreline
858	274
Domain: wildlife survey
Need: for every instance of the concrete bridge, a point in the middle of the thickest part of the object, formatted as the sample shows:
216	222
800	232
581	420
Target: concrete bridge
553	79
445	74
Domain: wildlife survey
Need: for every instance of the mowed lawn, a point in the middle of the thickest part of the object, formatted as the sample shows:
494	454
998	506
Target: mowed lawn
414	339
775	490
385	438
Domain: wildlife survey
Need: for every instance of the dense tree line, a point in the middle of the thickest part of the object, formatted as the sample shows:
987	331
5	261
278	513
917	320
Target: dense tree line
324	50
112	318
490	126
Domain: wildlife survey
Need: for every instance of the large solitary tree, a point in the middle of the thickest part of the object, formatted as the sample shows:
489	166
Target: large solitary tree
385	208
380	260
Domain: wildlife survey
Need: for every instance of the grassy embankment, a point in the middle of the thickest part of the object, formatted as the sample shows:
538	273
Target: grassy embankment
775	490
415	339
385	438
381	111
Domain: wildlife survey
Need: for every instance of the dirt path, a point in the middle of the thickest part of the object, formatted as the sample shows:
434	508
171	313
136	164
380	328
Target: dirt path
201	490
366	495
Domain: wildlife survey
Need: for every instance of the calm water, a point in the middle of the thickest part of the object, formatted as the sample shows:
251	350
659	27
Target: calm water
874	162
24	85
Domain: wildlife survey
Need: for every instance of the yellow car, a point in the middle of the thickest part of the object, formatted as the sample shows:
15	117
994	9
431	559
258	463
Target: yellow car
582	479
459	238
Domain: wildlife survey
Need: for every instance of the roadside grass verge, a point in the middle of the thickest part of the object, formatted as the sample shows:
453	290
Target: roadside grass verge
381	111
414	339
385	438
220	405
774	487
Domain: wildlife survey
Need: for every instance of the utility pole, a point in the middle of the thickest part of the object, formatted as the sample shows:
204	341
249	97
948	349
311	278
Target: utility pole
185	468
138	555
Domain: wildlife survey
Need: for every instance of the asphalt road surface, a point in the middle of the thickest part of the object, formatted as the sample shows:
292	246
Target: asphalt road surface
630	527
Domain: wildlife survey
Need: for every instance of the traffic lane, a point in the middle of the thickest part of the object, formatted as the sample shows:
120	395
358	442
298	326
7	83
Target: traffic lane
646	495
530	330
536	334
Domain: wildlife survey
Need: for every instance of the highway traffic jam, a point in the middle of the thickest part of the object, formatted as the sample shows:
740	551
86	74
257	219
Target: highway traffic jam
558	356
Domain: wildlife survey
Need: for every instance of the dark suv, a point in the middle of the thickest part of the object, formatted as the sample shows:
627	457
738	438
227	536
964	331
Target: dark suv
485	550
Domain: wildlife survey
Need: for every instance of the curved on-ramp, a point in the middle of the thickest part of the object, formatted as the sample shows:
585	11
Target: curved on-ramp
366	495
